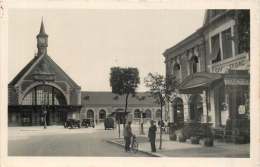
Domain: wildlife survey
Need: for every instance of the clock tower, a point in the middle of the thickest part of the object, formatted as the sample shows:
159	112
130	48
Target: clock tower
42	41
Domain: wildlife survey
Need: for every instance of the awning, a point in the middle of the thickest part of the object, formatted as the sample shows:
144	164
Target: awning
120	111
196	83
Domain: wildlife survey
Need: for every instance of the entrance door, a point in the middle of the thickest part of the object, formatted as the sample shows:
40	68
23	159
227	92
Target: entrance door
26	117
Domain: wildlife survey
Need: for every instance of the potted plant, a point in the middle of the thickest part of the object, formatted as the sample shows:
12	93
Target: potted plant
208	139
182	137
173	136
195	139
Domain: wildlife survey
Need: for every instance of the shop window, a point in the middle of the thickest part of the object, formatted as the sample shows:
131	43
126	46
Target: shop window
158	114
102	114
215	49
194	65
137	114
148	113
226	44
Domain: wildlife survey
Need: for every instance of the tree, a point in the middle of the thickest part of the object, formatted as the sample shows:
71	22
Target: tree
124	81
243	30
162	89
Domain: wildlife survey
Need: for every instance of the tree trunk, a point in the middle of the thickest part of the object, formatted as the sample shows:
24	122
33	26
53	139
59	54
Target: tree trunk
161	130
124	122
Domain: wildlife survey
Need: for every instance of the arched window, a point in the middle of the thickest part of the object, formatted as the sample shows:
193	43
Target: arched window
177	71
148	113
90	114
158	113
178	111
194	65
44	94
102	114
137	113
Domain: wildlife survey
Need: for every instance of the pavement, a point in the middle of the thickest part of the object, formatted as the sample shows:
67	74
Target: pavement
184	149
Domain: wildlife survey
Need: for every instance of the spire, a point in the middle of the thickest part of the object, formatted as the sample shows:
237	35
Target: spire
42	31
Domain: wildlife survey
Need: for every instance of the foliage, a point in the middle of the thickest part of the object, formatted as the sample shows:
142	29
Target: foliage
86	97
125	81
161	89
243	30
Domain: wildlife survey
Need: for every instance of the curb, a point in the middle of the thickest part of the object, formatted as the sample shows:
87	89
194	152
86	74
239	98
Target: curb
142	151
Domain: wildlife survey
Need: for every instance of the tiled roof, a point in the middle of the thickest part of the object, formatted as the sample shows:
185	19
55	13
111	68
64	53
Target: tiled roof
106	98
24	70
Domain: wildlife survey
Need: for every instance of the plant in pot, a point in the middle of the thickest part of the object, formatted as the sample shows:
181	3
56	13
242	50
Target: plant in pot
208	139
195	139
182	137
173	136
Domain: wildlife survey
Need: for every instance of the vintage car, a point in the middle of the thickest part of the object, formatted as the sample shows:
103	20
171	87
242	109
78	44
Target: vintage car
88	123
110	122
72	123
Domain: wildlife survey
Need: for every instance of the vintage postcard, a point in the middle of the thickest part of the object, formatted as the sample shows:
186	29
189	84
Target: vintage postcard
129	83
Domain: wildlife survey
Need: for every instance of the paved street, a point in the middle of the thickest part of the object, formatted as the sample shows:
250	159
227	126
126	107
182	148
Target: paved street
58	141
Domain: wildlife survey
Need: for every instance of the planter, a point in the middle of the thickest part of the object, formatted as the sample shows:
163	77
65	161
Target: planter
208	142
241	140
173	137
181	138
195	140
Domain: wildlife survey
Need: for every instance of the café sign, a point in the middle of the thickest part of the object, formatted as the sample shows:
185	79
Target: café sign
231	66
237	81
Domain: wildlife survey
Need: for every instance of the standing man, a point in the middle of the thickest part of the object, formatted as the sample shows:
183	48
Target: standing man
128	134
152	135
228	124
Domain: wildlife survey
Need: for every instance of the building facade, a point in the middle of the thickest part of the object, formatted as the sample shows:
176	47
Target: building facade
213	74
43	90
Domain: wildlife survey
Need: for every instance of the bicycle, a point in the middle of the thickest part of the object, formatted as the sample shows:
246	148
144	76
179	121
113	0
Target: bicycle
134	147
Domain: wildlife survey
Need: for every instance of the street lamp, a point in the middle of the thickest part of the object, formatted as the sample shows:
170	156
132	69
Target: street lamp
44	112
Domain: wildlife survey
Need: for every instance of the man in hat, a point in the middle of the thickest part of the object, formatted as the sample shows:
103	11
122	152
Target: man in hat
128	134
152	135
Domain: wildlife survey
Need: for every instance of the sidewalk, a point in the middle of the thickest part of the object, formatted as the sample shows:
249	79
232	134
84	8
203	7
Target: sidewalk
186	149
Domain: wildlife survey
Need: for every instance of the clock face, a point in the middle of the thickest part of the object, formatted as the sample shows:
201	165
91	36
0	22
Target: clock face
42	40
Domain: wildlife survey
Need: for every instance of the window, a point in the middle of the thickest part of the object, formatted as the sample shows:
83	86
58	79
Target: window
148	113
158	114
102	114
47	95
137	114
226	44
215	49
194	65
90	114
176	71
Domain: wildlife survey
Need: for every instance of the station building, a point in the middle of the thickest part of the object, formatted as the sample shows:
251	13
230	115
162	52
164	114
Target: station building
213	74
42	87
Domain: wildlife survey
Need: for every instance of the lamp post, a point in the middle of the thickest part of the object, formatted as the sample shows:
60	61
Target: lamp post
44	112
142	124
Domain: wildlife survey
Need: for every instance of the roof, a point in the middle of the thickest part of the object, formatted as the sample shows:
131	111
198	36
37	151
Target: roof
23	71
106	98
33	63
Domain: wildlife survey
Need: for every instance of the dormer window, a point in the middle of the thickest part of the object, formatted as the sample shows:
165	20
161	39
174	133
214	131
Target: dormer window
194	65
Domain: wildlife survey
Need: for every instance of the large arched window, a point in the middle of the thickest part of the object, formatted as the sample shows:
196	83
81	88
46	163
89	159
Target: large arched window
90	114
194	65
102	114
177	71
178	110
158	113
148	113
137	113
44	94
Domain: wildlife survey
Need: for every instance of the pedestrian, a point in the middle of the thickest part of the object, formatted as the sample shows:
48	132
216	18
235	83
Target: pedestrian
127	135
152	135
96	122
228	124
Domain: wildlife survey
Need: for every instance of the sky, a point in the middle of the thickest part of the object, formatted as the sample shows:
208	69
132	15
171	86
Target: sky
87	43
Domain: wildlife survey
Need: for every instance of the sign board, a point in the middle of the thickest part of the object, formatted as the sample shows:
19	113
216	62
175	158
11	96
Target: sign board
242	109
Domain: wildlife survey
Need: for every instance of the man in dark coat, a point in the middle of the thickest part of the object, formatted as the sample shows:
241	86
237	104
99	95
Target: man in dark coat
152	135
128	134
228	124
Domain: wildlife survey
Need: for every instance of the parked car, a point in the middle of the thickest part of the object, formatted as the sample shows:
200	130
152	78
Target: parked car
110	122
88	123
72	123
